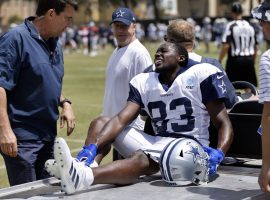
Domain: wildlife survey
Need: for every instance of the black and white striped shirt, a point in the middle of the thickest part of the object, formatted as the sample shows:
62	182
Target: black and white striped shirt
241	37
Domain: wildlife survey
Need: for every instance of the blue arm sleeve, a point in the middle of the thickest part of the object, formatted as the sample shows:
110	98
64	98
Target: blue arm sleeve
213	88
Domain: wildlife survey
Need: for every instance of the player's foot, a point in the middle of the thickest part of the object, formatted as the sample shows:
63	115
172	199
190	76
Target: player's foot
75	176
87	154
52	168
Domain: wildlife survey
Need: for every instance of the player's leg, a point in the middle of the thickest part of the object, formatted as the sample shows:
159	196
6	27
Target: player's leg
137	124
125	171
75	176
131	140
95	127
87	155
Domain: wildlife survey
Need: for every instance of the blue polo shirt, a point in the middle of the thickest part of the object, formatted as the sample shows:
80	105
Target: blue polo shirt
31	71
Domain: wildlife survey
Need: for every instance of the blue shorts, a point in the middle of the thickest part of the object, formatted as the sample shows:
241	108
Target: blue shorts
29	164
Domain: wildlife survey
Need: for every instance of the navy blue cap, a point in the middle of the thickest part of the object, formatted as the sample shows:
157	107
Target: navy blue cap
124	15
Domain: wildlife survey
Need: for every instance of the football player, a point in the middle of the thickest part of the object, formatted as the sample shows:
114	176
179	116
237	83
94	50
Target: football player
179	97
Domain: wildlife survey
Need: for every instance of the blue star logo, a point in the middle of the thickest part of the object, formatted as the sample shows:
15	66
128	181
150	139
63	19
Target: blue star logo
195	152
120	13
223	87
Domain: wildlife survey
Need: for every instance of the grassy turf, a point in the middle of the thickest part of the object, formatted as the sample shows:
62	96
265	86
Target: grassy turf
84	85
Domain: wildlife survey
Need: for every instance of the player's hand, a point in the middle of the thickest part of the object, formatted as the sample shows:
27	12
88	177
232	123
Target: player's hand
67	116
87	154
215	158
264	178
8	142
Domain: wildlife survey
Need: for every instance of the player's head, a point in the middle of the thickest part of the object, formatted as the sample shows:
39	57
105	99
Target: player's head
170	57
123	26
184	161
56	16
181	31
236	9
262	13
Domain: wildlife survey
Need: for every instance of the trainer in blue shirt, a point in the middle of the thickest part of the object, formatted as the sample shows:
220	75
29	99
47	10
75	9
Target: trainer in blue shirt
31	74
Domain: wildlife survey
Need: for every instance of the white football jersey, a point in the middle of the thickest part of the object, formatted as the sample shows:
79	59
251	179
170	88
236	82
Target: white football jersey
180	108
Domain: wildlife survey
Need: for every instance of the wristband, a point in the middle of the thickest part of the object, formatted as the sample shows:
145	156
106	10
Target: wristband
61	104
221	154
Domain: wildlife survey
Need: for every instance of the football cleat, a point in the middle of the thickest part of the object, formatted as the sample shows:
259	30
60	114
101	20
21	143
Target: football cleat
52	168
75	175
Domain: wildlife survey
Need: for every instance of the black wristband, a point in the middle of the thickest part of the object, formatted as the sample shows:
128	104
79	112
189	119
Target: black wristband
61	104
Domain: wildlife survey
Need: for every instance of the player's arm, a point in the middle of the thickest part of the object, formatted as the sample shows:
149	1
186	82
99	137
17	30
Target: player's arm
8	140
114	126
221	121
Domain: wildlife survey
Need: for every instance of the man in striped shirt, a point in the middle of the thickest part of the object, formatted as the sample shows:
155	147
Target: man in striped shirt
240	45
262	13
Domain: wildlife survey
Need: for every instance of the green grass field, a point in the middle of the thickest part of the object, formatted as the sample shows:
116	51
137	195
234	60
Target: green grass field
84	85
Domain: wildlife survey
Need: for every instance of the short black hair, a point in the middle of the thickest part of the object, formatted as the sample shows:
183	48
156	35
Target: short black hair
237	8
181	50
58	5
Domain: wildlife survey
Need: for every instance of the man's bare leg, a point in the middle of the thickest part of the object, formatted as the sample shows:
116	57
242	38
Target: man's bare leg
126	171
94	128
75	176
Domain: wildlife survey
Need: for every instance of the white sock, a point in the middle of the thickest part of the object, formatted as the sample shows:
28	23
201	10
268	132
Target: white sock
89	178
93	164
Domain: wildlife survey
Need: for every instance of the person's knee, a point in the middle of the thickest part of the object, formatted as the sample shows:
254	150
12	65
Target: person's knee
140	159
144	162
99	122
94	128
